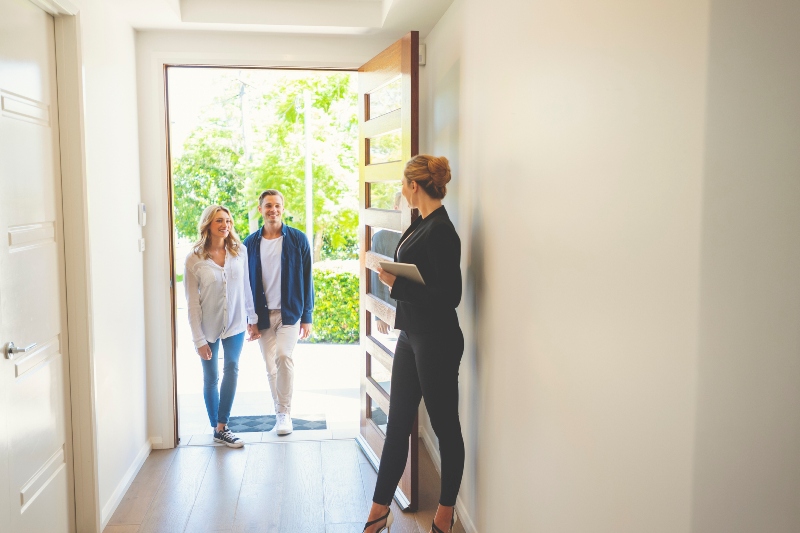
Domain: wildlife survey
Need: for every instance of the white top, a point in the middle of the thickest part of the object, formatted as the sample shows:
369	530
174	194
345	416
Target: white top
271	270
219	298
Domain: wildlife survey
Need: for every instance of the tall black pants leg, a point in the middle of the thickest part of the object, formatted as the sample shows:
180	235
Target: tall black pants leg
425	365
404	401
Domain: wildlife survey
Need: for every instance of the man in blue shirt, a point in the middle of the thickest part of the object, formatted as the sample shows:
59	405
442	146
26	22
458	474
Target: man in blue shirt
283	293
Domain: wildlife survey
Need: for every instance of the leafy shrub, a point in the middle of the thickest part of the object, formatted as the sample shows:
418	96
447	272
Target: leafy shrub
335	307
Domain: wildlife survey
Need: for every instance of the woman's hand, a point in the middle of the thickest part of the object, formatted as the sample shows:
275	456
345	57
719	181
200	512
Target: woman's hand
386	278
252	332
382	326
204	352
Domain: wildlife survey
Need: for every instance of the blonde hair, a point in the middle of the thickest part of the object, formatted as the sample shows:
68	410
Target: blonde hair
429	172
232	241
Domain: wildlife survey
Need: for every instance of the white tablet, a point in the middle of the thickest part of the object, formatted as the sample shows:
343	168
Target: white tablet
403	270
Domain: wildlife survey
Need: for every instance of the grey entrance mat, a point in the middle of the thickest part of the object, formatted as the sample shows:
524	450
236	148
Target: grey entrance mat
247	424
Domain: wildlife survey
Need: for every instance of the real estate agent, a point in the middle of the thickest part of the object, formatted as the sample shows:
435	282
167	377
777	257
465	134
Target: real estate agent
430	346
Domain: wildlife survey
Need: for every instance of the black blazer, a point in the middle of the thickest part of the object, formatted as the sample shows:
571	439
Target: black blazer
434	246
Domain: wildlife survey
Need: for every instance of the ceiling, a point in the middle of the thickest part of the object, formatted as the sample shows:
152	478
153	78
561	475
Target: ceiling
321	17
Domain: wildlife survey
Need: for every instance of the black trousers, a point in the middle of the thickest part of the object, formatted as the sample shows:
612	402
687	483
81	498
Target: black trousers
425	366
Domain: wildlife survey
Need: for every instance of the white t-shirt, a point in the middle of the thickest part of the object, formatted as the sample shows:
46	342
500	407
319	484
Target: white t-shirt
271	270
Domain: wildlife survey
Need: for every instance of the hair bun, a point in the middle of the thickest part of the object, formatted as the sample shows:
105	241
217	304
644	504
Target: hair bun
439	167
430	172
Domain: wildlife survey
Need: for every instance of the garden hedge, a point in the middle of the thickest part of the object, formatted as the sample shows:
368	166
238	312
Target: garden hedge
335	307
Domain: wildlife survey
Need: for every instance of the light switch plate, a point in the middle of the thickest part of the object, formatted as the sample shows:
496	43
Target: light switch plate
141	244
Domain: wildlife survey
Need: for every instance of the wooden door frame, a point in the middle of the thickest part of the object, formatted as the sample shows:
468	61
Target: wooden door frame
69	83
171	210
152	56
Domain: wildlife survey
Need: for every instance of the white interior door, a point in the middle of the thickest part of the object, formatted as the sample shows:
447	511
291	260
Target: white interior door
36	488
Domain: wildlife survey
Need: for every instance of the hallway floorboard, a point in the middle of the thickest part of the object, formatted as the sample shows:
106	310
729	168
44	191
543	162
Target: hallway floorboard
309	487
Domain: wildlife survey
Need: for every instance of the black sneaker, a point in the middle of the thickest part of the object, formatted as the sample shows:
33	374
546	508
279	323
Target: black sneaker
228	438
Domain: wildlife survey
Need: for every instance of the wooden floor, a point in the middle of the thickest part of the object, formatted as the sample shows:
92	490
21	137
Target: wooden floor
314	487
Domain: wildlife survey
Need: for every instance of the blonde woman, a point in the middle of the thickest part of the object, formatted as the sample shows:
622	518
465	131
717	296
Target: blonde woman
220	308
430	345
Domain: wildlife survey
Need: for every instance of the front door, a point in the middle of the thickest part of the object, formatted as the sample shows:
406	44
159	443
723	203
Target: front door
388	137
36	489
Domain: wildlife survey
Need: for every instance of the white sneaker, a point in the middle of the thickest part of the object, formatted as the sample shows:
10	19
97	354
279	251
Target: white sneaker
283	424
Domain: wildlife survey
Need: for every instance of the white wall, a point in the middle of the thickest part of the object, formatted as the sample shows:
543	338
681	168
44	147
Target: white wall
635	176
440	132
748	425
113	189
583	130
154	50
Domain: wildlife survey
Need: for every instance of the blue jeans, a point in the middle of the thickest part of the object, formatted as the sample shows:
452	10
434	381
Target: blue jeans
219	402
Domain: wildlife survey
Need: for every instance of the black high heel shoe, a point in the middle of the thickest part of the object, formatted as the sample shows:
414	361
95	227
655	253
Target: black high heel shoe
452	523
386	527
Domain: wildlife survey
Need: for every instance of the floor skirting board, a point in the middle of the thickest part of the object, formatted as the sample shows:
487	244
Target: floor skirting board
124	484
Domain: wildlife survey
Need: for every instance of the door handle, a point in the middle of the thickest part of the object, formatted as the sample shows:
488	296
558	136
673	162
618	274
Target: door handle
12	349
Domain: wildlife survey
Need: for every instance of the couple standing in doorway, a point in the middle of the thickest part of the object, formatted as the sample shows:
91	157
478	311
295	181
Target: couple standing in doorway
262	287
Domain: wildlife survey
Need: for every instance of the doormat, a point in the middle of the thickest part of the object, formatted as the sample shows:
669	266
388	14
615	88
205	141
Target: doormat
248	424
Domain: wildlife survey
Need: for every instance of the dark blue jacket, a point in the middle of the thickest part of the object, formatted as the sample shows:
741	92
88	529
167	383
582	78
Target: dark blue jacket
297	283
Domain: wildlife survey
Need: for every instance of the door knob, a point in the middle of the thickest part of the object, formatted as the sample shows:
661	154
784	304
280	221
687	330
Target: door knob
12	349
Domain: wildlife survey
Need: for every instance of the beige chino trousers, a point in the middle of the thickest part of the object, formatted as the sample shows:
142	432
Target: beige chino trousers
277	344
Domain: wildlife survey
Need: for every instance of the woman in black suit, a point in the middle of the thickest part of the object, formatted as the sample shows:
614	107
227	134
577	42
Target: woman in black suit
430	346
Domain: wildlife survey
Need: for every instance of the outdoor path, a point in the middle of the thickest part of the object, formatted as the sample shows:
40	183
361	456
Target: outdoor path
310	487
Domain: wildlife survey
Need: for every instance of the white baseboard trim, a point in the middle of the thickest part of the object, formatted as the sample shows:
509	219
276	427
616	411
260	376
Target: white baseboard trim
156	443
433	450
125	484
465	518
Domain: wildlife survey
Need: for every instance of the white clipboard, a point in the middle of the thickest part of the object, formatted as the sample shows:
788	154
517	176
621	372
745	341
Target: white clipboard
403	270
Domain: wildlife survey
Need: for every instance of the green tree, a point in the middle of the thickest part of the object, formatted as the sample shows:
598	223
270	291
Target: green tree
335	163
212	170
